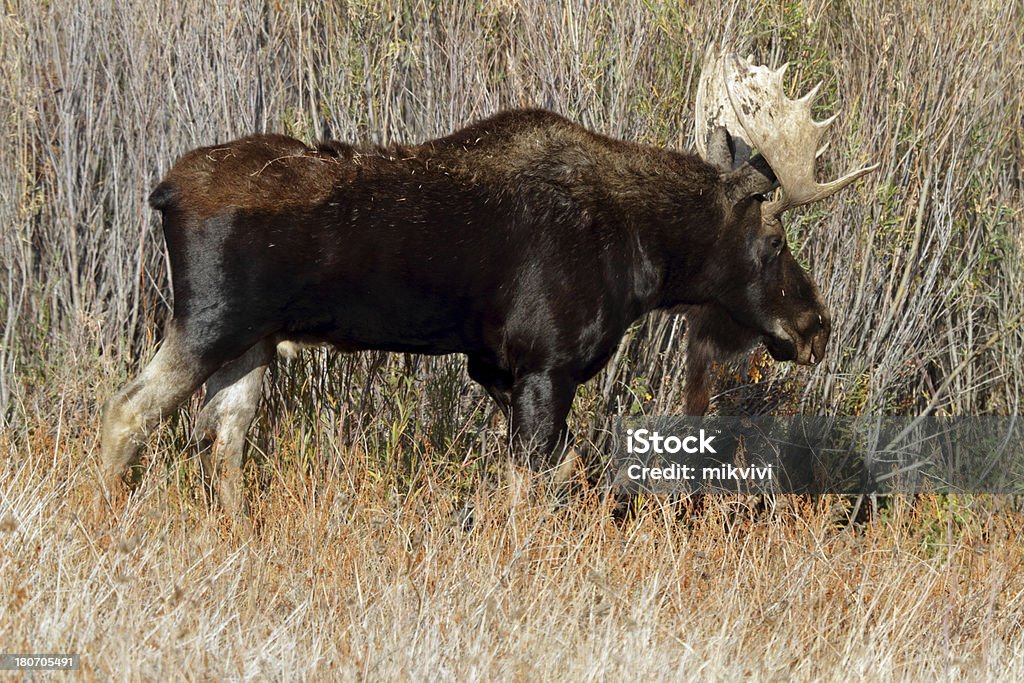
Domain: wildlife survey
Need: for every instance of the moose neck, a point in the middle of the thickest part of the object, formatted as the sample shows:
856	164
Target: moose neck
678	214
665	209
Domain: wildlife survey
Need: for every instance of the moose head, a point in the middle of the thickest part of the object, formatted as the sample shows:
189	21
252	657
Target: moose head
764	293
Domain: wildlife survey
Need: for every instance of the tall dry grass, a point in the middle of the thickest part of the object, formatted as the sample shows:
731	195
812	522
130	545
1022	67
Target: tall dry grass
361	461
347	577
921	262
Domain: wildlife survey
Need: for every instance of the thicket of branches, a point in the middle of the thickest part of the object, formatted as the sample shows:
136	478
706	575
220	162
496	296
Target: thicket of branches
921	262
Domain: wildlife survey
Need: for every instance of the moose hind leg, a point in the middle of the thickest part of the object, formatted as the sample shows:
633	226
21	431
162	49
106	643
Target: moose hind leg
170	378
232	397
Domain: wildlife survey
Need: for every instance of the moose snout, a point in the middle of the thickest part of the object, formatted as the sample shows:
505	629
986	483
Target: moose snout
802	338
814	338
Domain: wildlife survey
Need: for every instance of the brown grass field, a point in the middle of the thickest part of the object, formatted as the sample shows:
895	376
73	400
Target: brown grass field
347	577
357	561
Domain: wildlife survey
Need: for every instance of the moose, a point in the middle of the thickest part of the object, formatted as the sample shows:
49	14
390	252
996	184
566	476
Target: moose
524	241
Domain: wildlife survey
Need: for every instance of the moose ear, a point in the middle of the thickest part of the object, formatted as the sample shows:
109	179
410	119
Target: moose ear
753	177
726	151
720	150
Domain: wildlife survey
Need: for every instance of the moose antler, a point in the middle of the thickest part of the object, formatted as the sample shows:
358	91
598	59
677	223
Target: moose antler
715	110
749	101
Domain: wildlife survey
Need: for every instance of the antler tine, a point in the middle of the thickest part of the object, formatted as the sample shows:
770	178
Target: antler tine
811	94
782	130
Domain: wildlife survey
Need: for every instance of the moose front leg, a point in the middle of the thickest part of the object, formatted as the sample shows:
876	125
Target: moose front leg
698	377
540	404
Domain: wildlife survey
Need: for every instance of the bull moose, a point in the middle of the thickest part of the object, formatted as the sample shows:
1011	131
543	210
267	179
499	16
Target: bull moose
524	241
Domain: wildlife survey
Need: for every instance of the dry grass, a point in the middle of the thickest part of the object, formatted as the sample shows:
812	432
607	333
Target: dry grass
358	565
350	576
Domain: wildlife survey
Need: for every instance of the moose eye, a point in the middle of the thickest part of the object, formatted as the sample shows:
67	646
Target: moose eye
776	244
